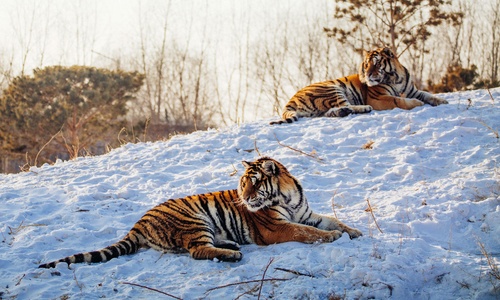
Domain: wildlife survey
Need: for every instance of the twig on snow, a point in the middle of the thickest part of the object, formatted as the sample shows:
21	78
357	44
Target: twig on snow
494	271
373	216
20	279
151	289
264	275
368	145
15	230
333	203
78	284
234	172
246	282
294	272
487	126
491	96
255	146
249	292
296	150
260	281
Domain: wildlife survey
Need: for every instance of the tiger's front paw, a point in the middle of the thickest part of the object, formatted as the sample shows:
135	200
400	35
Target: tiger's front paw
334	235
438	101
235	256
412	103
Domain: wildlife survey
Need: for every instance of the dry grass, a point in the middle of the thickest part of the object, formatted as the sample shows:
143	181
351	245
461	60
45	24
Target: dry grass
492	264
368	145
313	155
370	210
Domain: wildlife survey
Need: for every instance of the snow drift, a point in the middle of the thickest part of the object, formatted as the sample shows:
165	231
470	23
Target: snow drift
431	176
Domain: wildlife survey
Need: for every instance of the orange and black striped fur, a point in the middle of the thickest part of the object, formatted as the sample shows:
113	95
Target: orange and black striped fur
268	207
382	83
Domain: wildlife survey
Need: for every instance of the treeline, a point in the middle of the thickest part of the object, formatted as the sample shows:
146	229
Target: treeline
164	80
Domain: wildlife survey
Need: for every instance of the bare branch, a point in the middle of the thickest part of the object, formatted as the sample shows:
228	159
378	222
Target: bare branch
151	289
370	209
45	145
264	275
294	272
246	282
296	150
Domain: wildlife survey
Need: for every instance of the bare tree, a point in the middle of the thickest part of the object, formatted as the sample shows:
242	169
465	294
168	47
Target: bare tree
152	60
401	25
30	23
494	52
398	24
239	81
469	50
6	69
314	54
270	59
178	90
296	53
85	18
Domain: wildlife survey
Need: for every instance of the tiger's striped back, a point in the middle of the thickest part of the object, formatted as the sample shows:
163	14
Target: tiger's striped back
268	207
339	98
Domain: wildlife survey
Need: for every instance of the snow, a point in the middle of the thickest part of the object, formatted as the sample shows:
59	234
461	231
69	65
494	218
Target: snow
431	177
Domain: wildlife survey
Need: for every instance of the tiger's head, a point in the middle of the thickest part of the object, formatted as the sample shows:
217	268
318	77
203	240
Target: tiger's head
265	183
380	66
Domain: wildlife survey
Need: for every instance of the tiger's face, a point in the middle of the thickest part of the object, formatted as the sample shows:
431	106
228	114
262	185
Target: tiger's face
379	67
257	185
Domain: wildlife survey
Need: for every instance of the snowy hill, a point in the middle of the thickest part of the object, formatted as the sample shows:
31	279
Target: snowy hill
431	175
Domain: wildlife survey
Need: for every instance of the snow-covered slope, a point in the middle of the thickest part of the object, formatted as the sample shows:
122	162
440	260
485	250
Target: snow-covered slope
431	176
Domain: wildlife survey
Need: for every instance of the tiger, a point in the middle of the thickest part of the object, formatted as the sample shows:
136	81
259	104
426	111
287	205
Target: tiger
268	207
382	83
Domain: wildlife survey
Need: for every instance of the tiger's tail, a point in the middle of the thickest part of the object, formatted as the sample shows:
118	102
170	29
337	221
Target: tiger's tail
288	117
128	245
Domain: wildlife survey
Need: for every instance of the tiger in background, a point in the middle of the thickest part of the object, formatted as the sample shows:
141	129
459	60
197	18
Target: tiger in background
382	83
268	207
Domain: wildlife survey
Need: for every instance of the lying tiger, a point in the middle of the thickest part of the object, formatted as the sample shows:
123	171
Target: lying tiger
382	83
268	207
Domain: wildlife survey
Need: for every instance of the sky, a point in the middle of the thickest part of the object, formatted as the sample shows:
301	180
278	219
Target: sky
93	32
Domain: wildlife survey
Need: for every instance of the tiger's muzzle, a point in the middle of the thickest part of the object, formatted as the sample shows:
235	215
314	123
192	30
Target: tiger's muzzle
249	194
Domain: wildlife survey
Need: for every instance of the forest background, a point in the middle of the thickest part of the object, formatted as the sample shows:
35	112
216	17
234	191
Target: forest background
133	71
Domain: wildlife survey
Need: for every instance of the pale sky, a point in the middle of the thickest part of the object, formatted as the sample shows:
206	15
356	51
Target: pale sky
72	32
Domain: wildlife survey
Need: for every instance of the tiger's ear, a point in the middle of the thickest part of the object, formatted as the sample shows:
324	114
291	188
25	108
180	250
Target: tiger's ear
387	51
246	164
270	168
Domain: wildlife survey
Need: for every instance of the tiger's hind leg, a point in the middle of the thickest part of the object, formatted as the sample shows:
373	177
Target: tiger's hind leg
203	244
347	110
209	251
